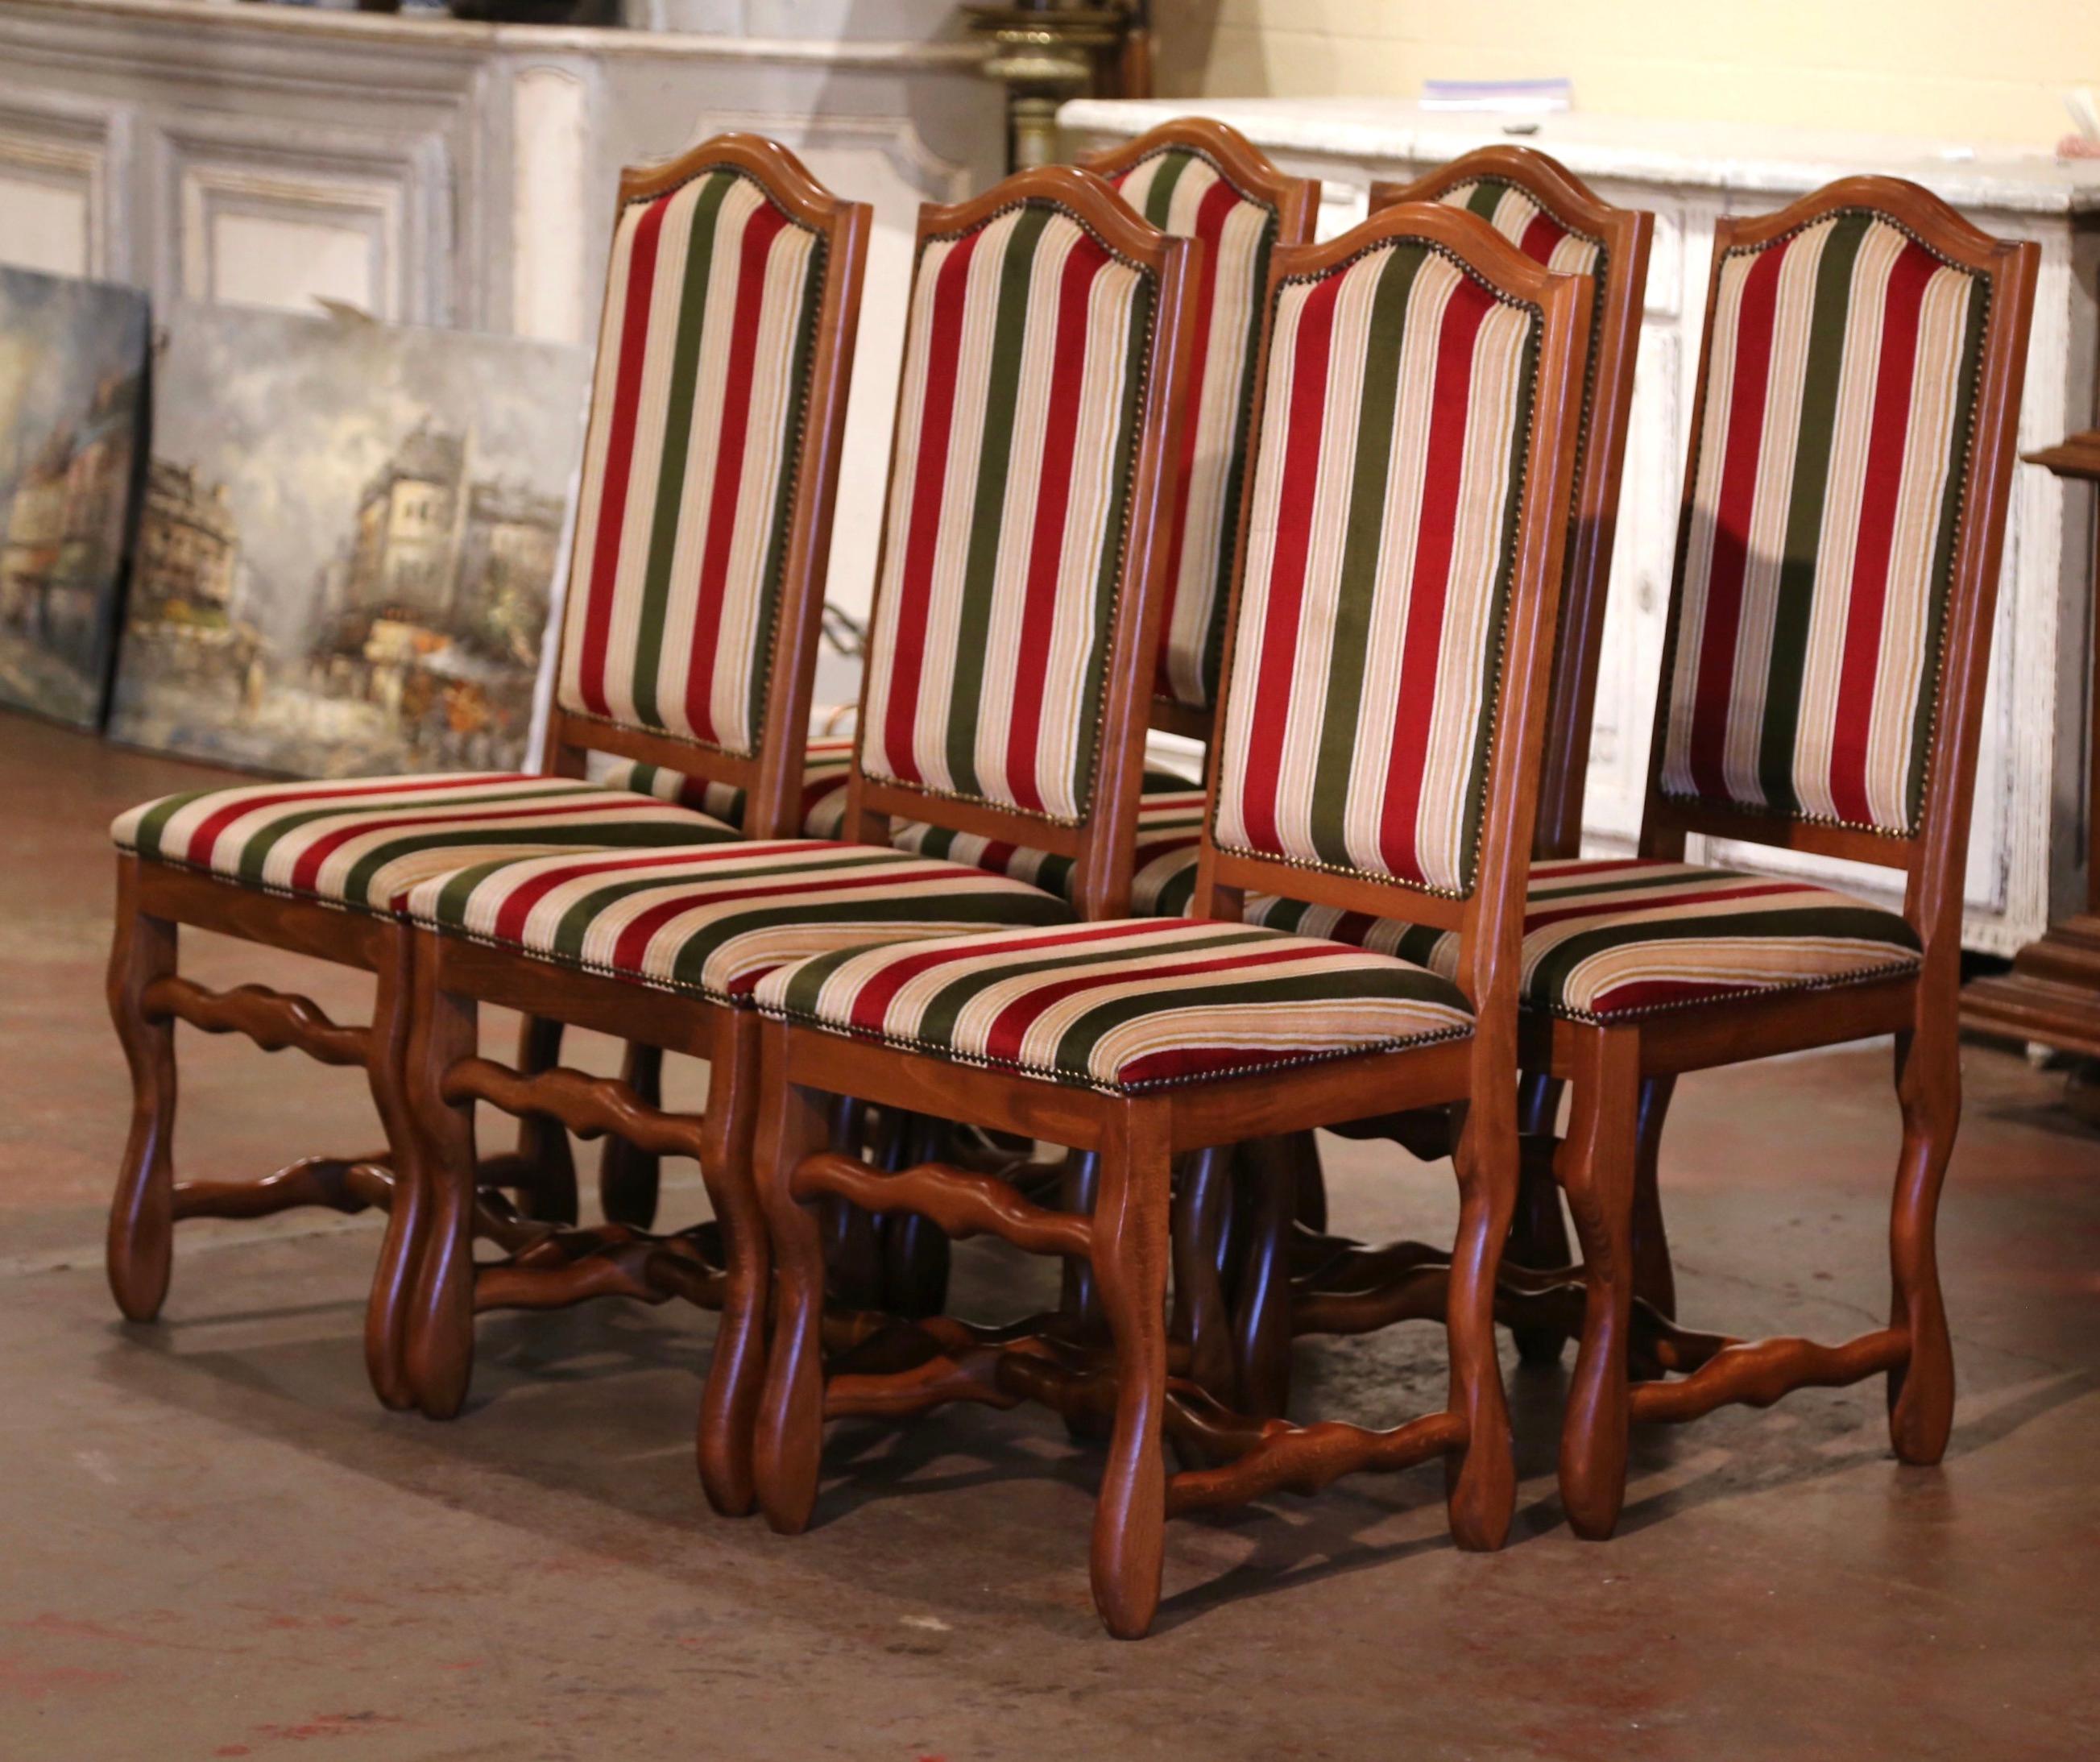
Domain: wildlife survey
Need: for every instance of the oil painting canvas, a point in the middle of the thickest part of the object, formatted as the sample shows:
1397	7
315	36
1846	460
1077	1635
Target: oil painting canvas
347	545
73	364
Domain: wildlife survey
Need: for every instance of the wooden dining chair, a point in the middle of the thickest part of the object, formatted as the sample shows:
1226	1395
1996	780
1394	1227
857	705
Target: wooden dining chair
1192	178
1018	607
710	470
1384	702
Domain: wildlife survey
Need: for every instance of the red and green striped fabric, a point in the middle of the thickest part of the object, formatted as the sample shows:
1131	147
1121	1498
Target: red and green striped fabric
1607	938
1170	818
710	920
1827	490
1519	217
1125	1006
689	470
1185	192
1026	348
364	843
1382	536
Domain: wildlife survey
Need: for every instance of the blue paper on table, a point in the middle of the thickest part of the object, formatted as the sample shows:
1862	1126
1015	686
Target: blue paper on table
1500	97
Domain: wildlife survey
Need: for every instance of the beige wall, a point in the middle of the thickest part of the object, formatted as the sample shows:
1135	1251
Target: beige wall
1983	70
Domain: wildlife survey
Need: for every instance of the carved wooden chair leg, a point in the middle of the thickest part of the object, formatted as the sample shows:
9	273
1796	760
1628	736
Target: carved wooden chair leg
789	1442
915	1253
1921	1389
1480	1481
627	1176
853	1238
543	1149
1595	1168
736	1372
1261	1314
141	1239
1203	1319
1129	1253
1538	1237
1654	1279
393	1279
1079	1183
440	1146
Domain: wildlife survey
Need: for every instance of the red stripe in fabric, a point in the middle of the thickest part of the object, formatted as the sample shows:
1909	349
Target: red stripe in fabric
1656	994
1296	493
922	535
760	231
871	1003
1046	550
1008	1028
1624	905
1714	683
1541	236
518	905
306	870
198	848
619	458
1443	479
634	941
1902	310
1219	202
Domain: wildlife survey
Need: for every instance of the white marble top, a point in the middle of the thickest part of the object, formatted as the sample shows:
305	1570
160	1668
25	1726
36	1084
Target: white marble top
1730	156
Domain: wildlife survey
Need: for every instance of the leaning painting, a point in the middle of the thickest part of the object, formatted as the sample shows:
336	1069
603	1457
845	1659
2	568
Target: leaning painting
73	362
348	544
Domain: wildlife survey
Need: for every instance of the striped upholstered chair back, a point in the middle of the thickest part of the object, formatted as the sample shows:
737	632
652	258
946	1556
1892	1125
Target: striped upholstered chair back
1023	569
1555	219
1406	514
1198	179
1843	515
710	464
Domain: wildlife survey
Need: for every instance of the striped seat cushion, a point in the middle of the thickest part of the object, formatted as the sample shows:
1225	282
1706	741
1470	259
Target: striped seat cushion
1607	938
1827	491
1380	544
1170	818
709	921
1127	1006
364	843
1185	192
704	354
1026	348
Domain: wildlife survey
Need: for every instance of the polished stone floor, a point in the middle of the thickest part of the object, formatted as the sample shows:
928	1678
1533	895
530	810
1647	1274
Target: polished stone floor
213	1543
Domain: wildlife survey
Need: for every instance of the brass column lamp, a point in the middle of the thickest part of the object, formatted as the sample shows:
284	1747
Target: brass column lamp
1045	51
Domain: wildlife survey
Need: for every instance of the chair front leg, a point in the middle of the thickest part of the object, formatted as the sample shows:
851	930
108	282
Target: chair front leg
1539	1236
1921	1389
788	1448
728	1403
1654	1279
442	1163
1480	1481
1595	1167
141	1223
387	1310
1128	1252
1261	1314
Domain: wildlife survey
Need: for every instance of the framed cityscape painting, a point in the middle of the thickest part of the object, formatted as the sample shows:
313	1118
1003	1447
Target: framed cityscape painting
348	543
73	386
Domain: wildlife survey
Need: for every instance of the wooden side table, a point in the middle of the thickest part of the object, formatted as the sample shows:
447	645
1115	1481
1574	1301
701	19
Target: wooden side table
2053	993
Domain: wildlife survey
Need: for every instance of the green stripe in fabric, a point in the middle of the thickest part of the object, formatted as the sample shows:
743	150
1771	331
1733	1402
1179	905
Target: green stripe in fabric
677	443
1943	550
255	853
1547	982
1159	196
991	910
790	476
1822	376
1113	531
1486	197
1491	658
994	451
1355	592
1380	983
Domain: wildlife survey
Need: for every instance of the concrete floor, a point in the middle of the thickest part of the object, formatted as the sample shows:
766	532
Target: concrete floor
213	1543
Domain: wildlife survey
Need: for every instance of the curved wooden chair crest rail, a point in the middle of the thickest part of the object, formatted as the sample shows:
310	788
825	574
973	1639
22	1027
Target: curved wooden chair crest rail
879	1023
1897	628
661	949
314	867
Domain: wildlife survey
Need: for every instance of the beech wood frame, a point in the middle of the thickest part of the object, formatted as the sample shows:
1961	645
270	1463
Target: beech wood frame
148	996
1132	1140
727	1265
1620	1299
